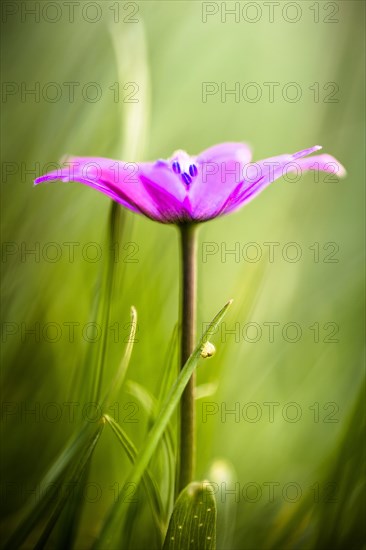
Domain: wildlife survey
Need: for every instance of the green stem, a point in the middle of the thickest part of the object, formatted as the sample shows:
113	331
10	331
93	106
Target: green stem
114	230
188	234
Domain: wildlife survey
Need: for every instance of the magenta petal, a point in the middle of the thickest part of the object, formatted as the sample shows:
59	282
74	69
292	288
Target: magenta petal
306	152
220	171
222	152
170	208
323	163
122	182
64	176
113	178
270	169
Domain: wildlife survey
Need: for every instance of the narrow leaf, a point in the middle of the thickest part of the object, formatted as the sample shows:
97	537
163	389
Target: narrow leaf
150	404
115	219
117	383
150	485
193	522
171	364
49	488
72	482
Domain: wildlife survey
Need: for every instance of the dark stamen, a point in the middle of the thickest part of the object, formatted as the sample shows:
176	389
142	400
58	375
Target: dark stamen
186	178
176	167
193	170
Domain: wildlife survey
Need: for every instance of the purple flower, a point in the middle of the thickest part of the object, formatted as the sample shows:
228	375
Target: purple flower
190	189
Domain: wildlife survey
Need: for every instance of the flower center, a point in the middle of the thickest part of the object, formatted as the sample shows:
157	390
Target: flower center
183	165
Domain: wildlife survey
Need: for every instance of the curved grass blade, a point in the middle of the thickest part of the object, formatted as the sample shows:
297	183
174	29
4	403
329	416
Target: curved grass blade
170	374
132	67
116	218
35	511
120	376
145	398
193	521
150	405
166	411
206	390
131	451
68	526
339	523
151	487
74	480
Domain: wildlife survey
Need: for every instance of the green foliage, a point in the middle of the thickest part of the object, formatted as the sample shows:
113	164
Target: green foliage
110	529
169	54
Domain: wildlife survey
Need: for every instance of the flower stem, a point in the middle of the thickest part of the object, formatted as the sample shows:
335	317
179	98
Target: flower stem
188	234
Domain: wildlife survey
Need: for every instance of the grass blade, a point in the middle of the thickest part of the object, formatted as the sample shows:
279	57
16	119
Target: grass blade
150	405
115	219
151	487
171	369
114	518
74	480
35	511
117	383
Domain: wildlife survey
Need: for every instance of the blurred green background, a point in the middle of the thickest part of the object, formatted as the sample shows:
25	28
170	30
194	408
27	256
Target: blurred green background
168	52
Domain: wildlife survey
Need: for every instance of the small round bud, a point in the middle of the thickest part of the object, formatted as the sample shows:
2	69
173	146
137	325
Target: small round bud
207	350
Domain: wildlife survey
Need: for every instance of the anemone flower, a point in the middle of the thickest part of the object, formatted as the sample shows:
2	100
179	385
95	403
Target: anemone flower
186	190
